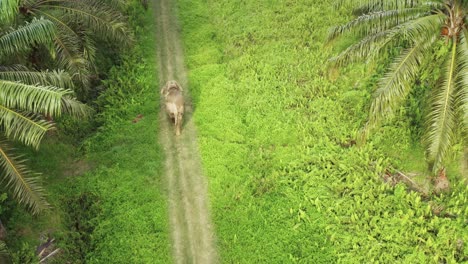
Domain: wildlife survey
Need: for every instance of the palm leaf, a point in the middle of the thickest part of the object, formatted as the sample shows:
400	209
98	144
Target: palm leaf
372	23
365	6
416	31
75	50
67	48
89	52
395	85
23	126
34	98
104	21
74	108
422	29
4	254
462	83
45	78
38	31
51	101
69	57
367	48
24	184
441	120
8	10
46	100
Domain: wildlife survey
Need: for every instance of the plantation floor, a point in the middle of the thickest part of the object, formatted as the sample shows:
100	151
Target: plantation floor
193	240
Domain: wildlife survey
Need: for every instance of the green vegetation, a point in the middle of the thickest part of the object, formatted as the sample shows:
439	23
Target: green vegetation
60	164
276	133
82	28
32	95
429	42
107	204
131	226
29	100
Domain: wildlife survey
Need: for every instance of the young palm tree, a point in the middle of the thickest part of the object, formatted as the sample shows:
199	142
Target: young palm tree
26	98
79	24
418	28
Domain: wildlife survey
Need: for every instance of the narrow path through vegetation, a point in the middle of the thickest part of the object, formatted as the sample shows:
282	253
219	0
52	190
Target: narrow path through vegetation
191	228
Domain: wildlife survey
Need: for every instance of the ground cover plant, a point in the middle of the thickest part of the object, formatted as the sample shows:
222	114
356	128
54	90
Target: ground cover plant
130	225
276	134
60	162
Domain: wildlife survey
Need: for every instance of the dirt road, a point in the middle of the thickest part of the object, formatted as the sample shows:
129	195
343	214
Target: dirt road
193	239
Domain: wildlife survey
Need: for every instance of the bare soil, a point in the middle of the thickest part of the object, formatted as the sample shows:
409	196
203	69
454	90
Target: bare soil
192	234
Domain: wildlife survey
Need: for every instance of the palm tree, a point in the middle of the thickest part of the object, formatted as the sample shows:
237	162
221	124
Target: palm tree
26	98
418	28
79	24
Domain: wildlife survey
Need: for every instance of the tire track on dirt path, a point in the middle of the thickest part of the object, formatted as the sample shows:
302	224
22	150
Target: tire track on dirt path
193	239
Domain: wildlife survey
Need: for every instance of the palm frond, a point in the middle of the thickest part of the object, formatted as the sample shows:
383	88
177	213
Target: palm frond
104	21
75	108
8	10
44	78
34	98
67	48
393	88
367	48
46	100
23	126
120	4
75	20
396	83
66	54
38	31
69	57
372	23
365	6
420	30
89	52
441	120
462	83
24	184
417	31
4	253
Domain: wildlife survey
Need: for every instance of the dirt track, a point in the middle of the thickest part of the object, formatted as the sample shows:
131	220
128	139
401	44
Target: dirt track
193	239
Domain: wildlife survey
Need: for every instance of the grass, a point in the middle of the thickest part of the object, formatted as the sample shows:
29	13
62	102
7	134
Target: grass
275	130
132	222
128	183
